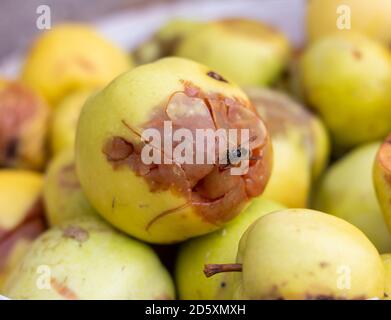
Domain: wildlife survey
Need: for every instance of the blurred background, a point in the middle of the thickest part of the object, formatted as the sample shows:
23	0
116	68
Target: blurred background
18	18
128	22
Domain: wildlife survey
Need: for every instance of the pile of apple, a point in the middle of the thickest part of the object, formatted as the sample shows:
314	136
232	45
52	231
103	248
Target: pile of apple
84	216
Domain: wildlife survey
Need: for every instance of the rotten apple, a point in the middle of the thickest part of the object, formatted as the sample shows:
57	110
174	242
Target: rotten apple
184	189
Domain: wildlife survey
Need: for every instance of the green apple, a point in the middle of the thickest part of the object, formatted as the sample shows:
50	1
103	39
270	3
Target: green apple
246	51
346	79
218	247
165	200
347	191
305	254
62	194
87	259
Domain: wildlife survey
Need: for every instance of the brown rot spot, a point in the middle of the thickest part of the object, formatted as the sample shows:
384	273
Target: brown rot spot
11	148
323	264
223	284
117	149
216	76
76	233
216	193
357	54
62	290
67	177
85	64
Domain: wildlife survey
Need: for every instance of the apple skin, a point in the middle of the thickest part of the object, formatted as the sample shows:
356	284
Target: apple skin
85	258
302	254
165	40
297	135
346	79
346	181
246	51
70	57
21	216
63	124
368	17
217	247
381	178
62	194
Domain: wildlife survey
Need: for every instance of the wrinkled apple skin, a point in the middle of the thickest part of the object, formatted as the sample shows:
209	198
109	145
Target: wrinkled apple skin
371	18
21	216
296	135
70	57
62	193
346	190
247	51
346	79
217	247
24	119
124	198
64	120
303	254
87	259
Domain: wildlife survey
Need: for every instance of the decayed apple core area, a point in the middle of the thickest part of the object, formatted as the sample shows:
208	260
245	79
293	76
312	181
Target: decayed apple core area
211	189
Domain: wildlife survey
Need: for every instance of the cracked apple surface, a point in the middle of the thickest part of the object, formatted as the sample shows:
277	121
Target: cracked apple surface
173	200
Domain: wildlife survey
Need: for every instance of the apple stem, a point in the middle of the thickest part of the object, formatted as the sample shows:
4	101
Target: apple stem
212	269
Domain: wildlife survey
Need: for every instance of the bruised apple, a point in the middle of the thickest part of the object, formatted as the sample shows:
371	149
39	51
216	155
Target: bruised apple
70	57
23	126
300	146
171	150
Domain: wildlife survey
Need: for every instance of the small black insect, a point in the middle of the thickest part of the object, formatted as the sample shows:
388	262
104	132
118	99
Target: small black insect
216	76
